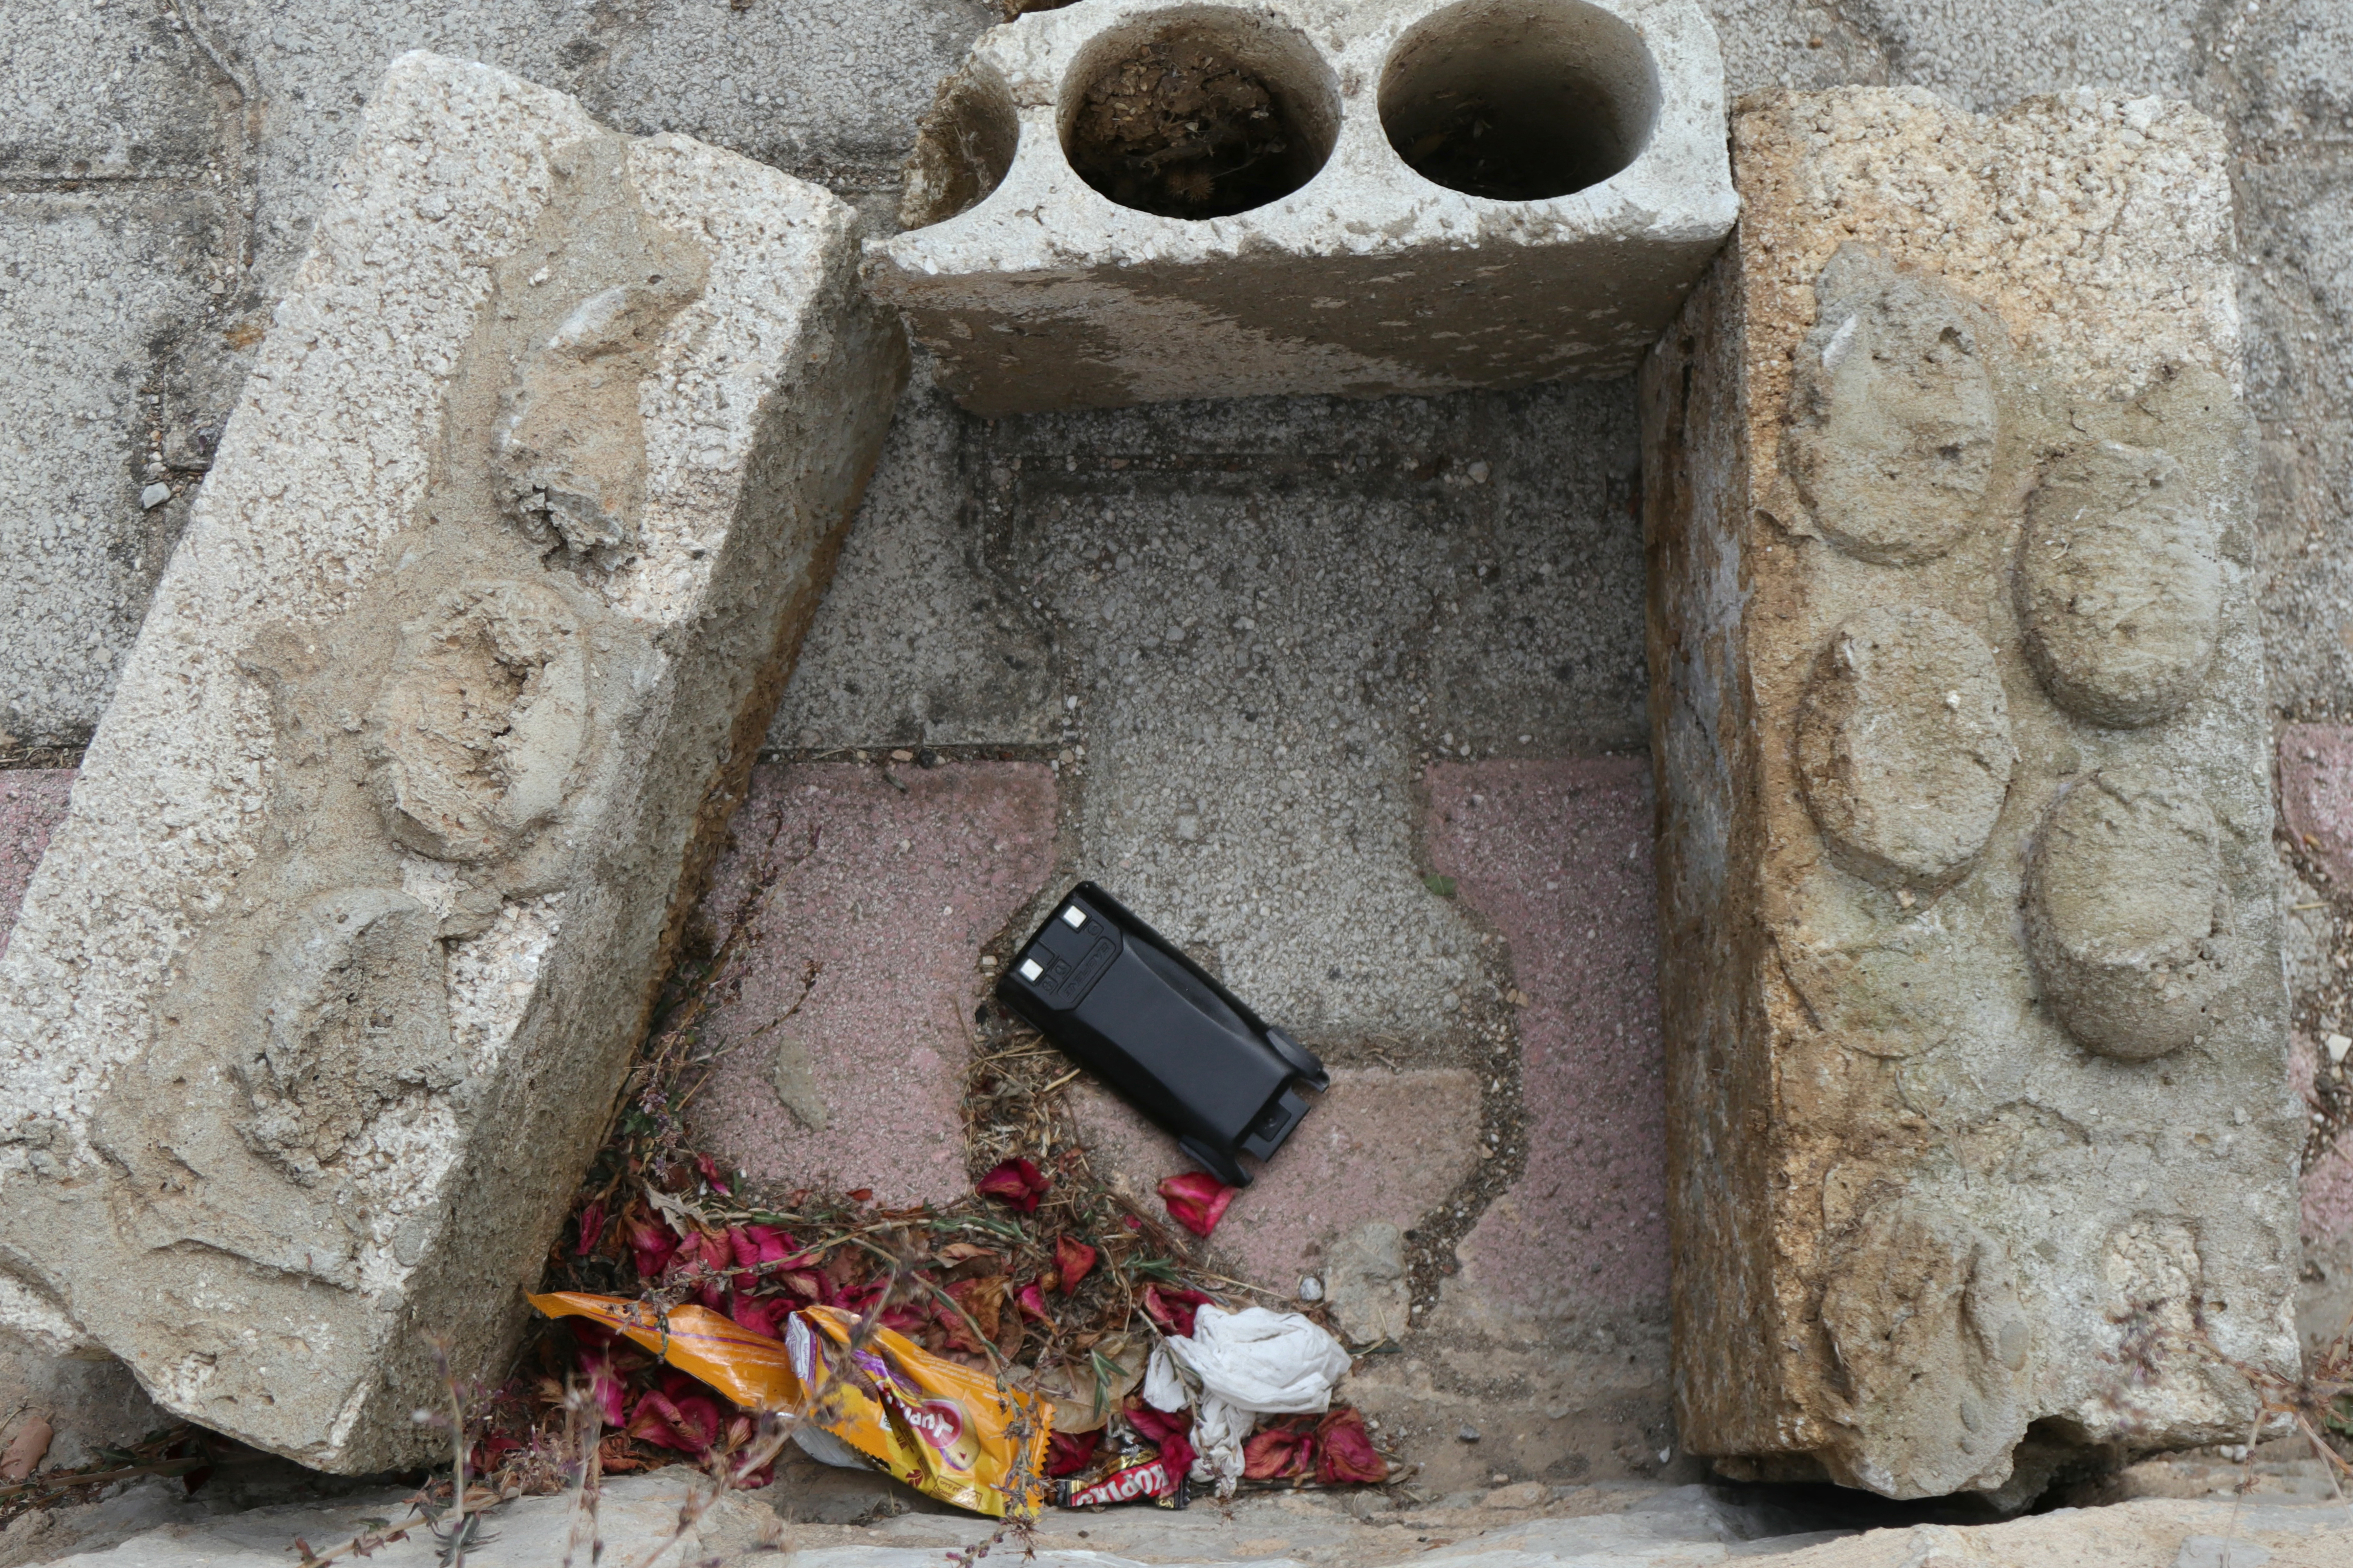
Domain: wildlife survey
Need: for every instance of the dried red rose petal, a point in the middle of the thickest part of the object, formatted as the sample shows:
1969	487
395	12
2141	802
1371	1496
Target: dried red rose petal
1279	1453
1072	1261
761	1314
710	1168
1071	1452
1345	1451
652	1242
689	1423
1171	1430
591	1227
1017	1182
1172	1307
605	1386
1033	1303
1196	1200
910	1319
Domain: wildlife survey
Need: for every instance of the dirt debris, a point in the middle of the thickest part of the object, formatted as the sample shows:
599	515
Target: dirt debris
1183	128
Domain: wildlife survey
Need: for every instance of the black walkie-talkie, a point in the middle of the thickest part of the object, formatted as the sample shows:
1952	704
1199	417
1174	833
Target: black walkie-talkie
1119	999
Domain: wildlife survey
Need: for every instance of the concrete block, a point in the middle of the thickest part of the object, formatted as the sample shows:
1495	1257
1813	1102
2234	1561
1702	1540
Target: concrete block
316	1006
853	908
1133	200
1978	1109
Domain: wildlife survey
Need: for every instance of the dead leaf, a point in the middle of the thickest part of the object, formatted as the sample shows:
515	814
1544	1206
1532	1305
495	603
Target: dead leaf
957	1251
25	1448
1088	1388
983	1300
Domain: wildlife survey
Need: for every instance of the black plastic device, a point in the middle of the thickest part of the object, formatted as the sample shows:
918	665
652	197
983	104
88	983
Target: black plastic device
1119	999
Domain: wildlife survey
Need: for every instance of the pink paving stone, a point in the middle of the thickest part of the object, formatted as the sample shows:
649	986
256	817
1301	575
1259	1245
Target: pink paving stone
2328	1196
1556	855
2316	793
32	803
1381	1145
869	907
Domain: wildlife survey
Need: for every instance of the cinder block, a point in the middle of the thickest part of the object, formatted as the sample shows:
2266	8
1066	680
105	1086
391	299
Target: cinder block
1132	200
317	1005
1981	1144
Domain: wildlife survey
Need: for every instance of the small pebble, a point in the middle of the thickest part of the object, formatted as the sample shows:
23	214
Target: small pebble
1311	1289
1468	1434
154	495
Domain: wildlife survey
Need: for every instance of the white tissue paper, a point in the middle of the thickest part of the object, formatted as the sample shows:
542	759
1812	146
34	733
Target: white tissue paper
1247	1364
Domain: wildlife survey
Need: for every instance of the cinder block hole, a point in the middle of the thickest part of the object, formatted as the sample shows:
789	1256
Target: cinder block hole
1518	101
964	149
1199	113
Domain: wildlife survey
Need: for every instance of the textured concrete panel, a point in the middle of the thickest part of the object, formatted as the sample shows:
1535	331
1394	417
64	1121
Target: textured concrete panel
917	644
79	553
1985	57
830	91
315	1008
1270	613
1976	1055
853	909
110	89
1359	246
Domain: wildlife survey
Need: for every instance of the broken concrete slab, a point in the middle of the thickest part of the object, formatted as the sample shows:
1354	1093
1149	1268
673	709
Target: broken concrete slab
1977	1091
852	906
1141	200
316	1007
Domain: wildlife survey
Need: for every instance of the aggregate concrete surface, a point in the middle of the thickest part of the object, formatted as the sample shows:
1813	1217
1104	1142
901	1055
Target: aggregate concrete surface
1261	790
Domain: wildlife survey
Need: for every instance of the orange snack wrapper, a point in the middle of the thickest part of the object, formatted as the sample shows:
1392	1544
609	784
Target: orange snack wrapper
948	1431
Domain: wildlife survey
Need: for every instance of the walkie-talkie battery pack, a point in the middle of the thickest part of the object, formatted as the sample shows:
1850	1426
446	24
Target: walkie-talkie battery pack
1119	999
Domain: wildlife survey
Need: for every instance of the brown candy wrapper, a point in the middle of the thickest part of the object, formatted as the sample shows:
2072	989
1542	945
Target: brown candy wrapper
1126	1469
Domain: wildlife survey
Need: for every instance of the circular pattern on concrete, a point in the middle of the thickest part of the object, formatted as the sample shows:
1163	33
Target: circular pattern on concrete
1894	444
1903	746
2124	914
2118	585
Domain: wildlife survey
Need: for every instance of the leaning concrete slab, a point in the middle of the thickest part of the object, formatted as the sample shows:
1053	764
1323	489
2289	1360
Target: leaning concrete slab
1134	200
1981	1141
317	1004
